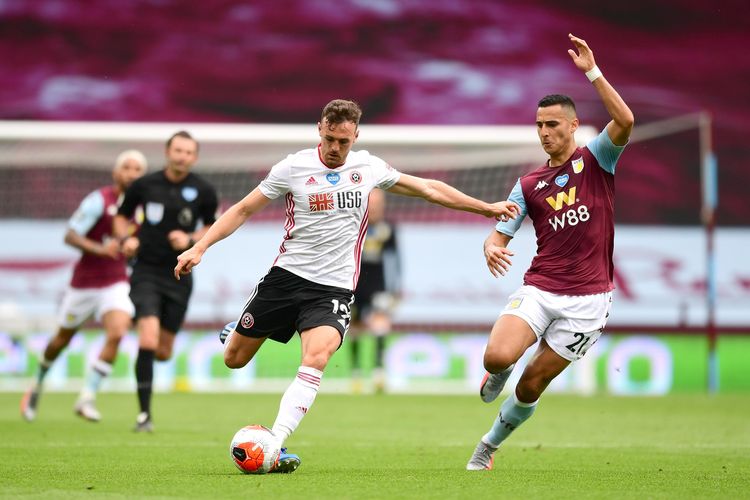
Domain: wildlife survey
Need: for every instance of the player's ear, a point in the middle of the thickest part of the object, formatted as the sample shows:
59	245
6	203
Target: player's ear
574	124
356	135
320	128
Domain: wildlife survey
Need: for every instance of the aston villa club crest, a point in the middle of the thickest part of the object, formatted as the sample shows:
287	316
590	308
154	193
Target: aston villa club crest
578	165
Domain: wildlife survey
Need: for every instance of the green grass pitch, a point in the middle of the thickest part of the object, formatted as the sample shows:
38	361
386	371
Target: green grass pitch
691	446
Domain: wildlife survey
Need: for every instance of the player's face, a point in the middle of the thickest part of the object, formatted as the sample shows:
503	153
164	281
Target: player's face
127	172
555	126
181	154
336	140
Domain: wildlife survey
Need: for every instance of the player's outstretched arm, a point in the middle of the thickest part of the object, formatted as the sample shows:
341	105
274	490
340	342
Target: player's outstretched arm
442	194
496	253
622	117
223	227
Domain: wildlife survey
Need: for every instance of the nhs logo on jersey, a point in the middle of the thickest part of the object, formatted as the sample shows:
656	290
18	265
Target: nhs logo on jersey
333	178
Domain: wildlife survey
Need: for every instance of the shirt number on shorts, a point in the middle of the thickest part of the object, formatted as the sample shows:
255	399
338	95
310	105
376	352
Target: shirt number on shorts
343	309
578	347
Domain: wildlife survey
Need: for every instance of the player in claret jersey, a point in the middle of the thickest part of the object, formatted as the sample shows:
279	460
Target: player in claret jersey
99	286
567	292
309	289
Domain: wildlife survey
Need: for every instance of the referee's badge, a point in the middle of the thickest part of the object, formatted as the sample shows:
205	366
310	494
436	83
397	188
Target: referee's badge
247	321
154	212
189	193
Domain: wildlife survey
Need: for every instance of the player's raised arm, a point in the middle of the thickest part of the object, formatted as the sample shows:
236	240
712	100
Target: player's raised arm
223	227
622	117
441	193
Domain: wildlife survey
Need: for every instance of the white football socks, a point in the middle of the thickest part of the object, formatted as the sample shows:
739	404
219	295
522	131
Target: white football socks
98	372
296	401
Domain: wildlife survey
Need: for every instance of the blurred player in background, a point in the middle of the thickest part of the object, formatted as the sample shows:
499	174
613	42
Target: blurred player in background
378	289
99	286
173	199
567	292
310	288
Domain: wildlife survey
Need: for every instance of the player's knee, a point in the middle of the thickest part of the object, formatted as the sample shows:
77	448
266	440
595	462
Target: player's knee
233	360
529	389
497	359
162	355
316	360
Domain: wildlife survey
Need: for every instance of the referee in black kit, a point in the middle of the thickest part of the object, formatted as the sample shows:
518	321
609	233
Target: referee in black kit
173	200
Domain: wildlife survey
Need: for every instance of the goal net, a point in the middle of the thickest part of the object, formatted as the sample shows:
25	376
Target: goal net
47	167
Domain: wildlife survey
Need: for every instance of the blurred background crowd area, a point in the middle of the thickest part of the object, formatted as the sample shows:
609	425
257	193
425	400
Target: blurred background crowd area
406	62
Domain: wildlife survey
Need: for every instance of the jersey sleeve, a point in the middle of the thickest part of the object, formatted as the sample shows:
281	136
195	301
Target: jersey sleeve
605	151
209	206
385	175
87	214
510	226
131	199
276	182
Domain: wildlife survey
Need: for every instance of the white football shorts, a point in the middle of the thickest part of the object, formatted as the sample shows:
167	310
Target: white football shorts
570	324
78	304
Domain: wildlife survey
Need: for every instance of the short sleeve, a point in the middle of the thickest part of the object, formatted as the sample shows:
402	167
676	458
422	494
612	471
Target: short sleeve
209	206
605	151
510	226
385	175
131	199
87	214
276	182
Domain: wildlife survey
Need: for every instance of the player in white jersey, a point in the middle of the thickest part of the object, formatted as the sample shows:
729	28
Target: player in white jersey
309	288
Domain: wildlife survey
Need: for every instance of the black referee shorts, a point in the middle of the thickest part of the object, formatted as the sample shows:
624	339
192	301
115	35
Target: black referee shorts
284	303
155	292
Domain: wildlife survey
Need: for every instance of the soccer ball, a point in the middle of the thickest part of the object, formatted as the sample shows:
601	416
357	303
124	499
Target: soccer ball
254	449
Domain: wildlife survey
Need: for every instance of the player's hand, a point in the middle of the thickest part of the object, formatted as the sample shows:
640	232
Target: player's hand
110	249
498	259
505	210
179	240
584	59
186	261
130	246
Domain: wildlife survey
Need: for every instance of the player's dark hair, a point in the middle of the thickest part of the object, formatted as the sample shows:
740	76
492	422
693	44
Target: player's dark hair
185	135
552	99
341	110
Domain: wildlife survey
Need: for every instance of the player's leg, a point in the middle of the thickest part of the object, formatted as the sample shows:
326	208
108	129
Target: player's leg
520	405
76	307
148	328
511	335
379	322
31	398
318	345
115	311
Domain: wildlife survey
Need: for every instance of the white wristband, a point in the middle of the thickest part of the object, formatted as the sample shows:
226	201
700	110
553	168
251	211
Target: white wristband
593	73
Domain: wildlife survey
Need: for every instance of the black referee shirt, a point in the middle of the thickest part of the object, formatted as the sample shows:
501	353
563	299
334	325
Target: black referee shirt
168	206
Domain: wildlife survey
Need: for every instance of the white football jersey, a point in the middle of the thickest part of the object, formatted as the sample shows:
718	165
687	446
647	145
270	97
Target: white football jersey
326	213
